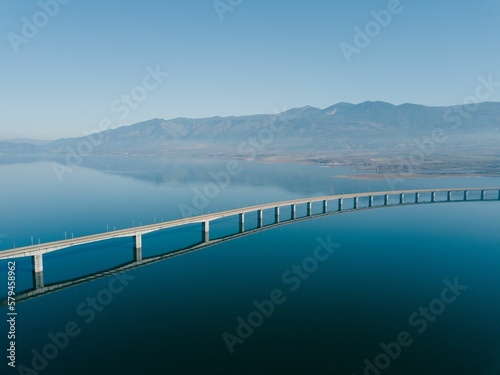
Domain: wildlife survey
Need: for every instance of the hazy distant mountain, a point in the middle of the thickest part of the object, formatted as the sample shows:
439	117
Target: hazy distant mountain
369	134
35	142
18	148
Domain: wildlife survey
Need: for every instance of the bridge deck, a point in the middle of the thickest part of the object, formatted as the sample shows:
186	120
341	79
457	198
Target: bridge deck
39	249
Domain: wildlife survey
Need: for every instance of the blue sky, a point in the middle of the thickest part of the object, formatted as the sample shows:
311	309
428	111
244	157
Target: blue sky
263	57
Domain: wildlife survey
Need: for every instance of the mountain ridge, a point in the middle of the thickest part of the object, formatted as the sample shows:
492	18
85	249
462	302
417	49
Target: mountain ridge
371	133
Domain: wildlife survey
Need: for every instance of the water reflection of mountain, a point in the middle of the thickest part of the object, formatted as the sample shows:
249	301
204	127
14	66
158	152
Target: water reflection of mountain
177	172
180	172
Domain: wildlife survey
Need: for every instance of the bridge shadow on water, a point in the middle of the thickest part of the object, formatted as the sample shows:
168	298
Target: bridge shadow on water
177	241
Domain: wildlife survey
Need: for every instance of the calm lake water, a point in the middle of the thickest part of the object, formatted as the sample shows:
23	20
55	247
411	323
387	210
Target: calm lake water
399	290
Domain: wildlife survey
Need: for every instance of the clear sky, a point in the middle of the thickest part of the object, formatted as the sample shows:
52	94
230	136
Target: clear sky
261	57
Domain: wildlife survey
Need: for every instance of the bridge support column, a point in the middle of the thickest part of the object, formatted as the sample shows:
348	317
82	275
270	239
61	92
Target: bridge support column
499	195
309	208
138	241
448	199
341	201
466	195
277	214
433	196
417	198
482	195
293	209
402	198
356	199
38	271
206	231
242	222
259	218
38	263
386	199
325	206
370	203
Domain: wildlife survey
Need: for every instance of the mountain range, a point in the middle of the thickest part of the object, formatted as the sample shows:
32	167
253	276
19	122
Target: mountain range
371	135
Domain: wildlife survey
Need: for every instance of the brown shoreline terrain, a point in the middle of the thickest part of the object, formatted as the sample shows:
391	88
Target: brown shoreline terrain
381	168
414	175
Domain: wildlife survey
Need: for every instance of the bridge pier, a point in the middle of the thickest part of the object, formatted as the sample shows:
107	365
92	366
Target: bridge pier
138	241
293	209
38	271
277	214
259	218
482	195
206	231
37	263
309	208
433	197
341	201
386	199
370	202
402	198
448	199
356	200
325	206
138	248
242	222
466	195
499	194
417	198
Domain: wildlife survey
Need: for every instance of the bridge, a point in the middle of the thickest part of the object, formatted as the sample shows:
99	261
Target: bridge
341	203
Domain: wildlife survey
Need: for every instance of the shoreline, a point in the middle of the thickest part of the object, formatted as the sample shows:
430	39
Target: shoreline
367	171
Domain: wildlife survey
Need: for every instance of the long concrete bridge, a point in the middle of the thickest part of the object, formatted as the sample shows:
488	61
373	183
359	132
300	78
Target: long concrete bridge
341	203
